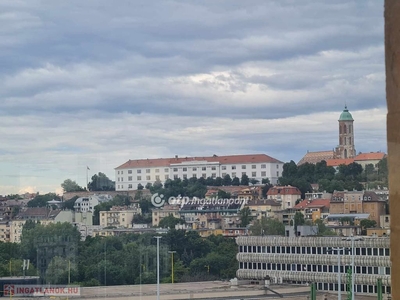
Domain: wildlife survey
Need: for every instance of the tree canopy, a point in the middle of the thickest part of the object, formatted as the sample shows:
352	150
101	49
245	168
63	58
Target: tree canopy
100	182
71	186
267	226
41	200
347	177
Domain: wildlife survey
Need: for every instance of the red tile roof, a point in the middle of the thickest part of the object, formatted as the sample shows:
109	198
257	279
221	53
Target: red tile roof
230	159
339	161
370	156
283	190
313	203
315	157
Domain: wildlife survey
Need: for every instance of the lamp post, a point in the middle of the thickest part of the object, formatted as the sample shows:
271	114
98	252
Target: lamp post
158	266
172	265
353	239
339	250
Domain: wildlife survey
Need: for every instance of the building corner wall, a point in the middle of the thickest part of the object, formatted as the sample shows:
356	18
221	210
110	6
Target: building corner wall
392	62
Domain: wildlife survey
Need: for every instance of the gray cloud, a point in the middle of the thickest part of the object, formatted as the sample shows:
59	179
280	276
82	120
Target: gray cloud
98	82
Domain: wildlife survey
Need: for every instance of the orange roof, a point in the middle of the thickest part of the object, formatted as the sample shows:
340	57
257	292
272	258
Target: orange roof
339	161
313	203
231	159
315	157
283	190
370	156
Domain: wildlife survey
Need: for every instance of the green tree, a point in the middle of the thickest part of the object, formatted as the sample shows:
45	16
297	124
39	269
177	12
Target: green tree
236	181
100	182
267	226
218	181
140	187
244	180
227	180
365	224
223	195
69	204
322	229
245	216
298	220
145	206
71	186
170	221
41	200
267	185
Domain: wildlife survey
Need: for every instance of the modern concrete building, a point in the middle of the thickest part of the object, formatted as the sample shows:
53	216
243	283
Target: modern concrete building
143	171
304	260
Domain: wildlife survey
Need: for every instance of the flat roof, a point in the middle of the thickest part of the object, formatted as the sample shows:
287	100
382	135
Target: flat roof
358	216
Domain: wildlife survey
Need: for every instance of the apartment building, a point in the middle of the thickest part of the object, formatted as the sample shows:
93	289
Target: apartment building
314	209
158	214
285	195
358	202
134	172
119	217
304	260
263	208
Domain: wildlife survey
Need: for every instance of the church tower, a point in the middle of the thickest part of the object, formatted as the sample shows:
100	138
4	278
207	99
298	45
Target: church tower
346	136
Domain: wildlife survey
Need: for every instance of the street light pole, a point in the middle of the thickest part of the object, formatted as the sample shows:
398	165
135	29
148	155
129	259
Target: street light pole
353	239
339	273
172	265
158	266
352	268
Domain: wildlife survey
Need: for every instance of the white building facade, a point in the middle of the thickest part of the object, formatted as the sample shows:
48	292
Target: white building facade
256	166
87	204
304	260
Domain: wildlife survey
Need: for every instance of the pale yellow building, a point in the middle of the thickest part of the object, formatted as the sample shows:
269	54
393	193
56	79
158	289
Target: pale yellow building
204	233
117	218
4	231
16	230
263	208
159	214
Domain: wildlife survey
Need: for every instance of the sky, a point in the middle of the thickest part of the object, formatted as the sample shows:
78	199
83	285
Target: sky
95	83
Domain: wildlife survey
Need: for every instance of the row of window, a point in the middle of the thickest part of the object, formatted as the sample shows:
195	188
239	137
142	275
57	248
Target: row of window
185	169
310	250
185	176
367	289
313	268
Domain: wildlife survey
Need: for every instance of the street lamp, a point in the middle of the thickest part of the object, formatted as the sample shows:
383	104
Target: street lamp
158	266
172	265
339	251
353	239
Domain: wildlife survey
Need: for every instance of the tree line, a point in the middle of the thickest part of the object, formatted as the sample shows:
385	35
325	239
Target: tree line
57	253
347	177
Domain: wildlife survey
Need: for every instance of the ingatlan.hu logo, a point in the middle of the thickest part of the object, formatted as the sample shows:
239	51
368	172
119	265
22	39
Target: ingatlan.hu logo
158	200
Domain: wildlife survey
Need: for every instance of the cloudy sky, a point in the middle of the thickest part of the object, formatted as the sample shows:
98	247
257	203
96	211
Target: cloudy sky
97	82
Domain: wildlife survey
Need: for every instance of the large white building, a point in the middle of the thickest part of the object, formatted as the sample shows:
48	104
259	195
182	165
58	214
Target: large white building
301	260
134	172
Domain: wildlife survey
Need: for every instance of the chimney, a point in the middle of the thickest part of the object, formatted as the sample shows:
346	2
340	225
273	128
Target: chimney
176	156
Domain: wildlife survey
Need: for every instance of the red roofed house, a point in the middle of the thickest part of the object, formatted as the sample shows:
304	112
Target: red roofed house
314	209
369	158
142	171
285	195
